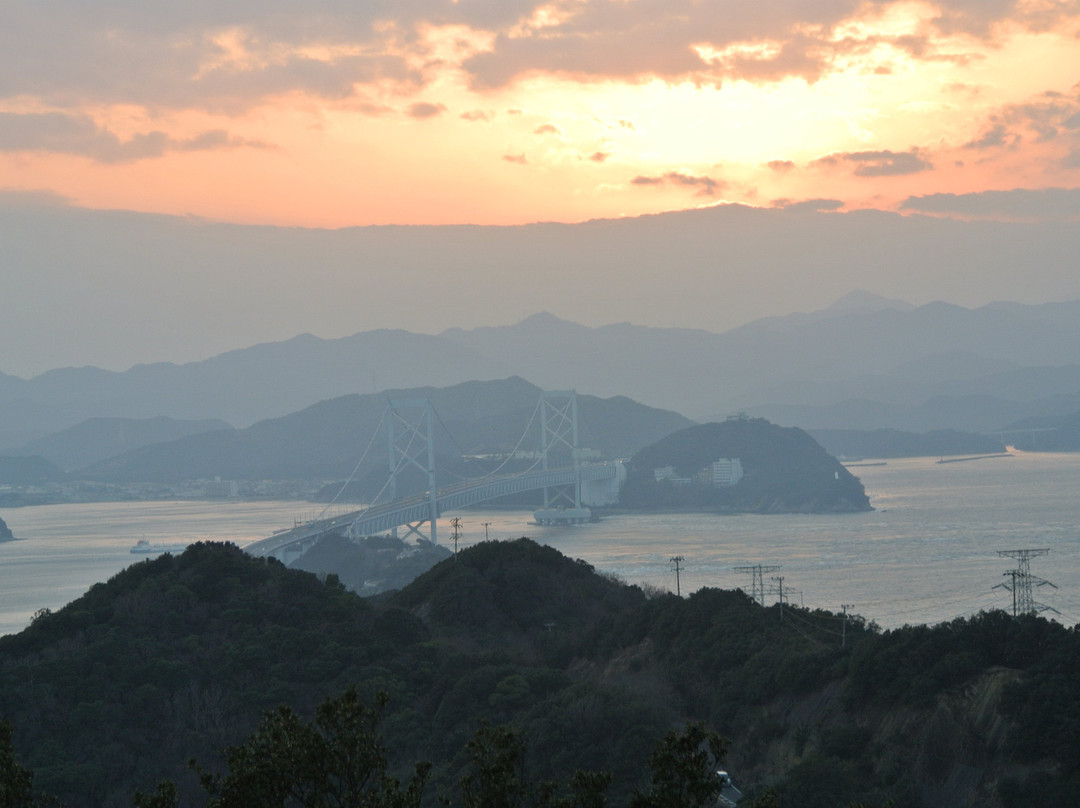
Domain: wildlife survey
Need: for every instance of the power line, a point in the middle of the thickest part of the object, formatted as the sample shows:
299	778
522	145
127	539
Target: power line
792	613
806	636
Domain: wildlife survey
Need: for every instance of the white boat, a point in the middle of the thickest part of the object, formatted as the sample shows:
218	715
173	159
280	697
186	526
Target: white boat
143	547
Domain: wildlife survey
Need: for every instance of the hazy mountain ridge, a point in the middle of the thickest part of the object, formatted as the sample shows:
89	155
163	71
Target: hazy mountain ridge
710	266
917	357
239	387
881	443
916	369
326	440
1048	434
856	302
97	439
29	470
975	413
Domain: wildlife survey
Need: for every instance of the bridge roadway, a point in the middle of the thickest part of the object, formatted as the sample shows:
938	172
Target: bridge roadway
417	508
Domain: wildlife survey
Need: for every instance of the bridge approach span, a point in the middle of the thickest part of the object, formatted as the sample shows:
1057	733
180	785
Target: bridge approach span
410	510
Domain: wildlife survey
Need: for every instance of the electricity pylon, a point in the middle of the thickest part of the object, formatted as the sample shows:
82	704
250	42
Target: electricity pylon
1021	582
757	579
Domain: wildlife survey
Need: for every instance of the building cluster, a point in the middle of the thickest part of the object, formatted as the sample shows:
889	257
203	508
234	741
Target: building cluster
722	473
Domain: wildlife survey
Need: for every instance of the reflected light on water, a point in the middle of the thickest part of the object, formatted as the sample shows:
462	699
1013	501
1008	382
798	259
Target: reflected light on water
927	553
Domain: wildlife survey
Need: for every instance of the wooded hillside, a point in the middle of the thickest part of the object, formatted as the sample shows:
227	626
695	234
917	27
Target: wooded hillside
176	658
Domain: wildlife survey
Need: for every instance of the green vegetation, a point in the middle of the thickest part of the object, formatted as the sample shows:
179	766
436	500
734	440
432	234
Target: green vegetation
785	471
16	782
684	770
514	671
336	760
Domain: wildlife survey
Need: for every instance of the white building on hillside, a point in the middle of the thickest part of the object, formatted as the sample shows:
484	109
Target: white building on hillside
726	471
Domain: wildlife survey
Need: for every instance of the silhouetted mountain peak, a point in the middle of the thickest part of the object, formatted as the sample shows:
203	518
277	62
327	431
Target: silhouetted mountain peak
860	301
544	318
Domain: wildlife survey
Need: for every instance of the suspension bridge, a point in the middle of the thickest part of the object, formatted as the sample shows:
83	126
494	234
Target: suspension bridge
569	489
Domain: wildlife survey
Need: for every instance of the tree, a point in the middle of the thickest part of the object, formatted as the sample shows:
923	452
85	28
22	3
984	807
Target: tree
337	761
166	796
497	777
684	770
589	789
16	782
770	798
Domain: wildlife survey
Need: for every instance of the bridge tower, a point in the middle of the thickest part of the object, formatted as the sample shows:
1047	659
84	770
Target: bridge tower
411	444
559	433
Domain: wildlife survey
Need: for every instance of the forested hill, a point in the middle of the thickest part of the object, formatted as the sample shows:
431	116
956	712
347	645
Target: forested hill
176	658
326	440
785	471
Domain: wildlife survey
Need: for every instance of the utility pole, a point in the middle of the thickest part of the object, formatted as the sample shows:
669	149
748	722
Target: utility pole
780	581
757	580
1022	581
677	560
486	526
455	526
1011	587
843	631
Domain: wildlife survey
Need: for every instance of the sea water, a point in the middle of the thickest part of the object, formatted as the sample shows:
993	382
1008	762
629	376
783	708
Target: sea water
928	552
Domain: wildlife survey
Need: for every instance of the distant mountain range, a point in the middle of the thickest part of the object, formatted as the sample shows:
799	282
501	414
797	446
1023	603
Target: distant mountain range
96	439
329	439
239	387
852	444
865	362
29	470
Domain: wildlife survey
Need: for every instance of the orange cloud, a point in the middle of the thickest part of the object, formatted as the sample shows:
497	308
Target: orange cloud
61	133
424	109
371	109
706	186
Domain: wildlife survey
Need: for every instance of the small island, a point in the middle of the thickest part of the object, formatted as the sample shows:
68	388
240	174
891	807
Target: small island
742	465
5	532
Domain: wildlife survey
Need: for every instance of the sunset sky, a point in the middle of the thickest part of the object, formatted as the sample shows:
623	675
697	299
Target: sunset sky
331	114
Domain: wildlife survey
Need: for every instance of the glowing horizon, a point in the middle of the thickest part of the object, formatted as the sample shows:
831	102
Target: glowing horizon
563	111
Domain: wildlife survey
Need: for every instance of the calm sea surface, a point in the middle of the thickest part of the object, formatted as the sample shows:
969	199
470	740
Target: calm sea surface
927	553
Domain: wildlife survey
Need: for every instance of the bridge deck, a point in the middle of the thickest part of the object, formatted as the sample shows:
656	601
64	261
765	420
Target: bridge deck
414	509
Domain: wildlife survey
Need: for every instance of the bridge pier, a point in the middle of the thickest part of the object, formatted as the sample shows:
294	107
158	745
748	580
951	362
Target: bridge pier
562	516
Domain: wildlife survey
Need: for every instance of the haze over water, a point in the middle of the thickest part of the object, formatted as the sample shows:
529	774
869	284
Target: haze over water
928	552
